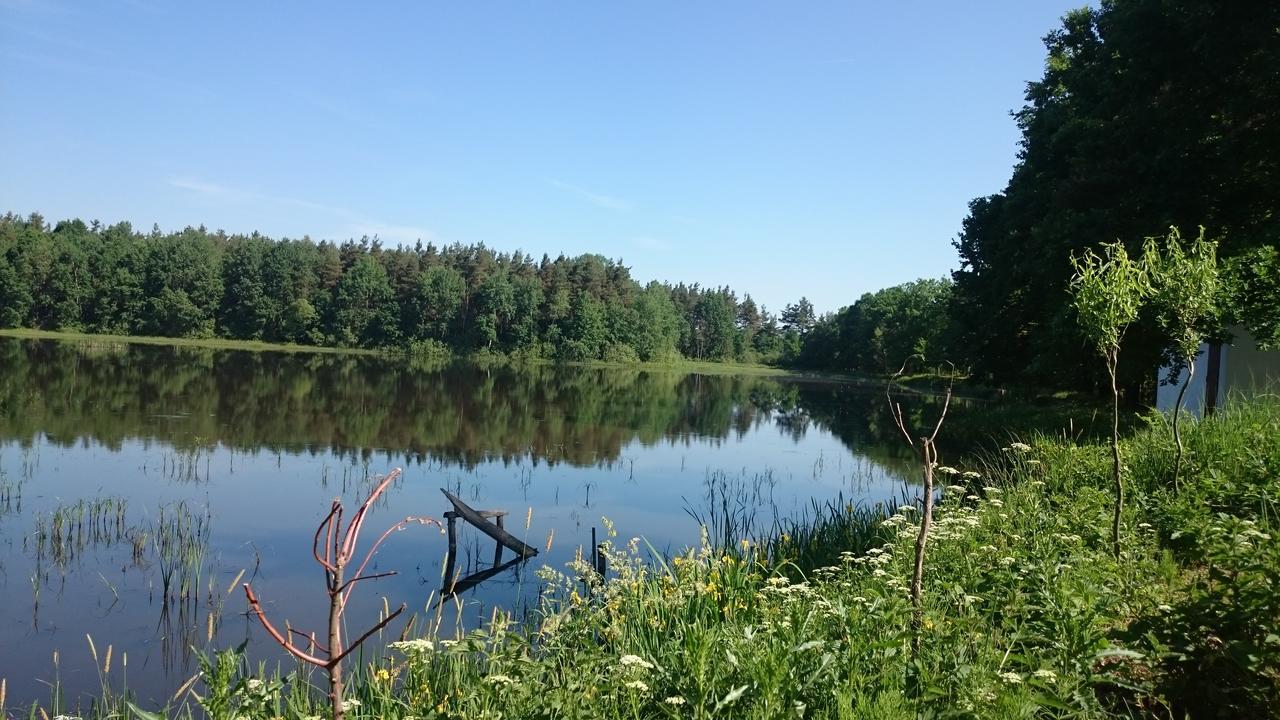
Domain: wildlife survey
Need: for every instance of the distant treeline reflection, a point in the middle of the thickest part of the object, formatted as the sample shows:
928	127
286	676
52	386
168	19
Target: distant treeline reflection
458	414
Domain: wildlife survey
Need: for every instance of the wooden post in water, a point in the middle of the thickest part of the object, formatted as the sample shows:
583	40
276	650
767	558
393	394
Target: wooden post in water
489	522
451	558
497	546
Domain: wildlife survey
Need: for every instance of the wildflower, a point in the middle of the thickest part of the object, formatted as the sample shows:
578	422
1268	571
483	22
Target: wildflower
635	661
1020	447
990	490
988	548
1033	462
351	704
1037	483
674	700
945	470
972	497
1045	675
907	508
956	488
638	686
500	680
416	646
1165	608
1011	677
996	502
971	475
1007	561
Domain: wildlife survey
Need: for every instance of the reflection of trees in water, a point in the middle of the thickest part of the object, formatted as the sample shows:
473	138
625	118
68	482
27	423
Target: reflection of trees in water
355	405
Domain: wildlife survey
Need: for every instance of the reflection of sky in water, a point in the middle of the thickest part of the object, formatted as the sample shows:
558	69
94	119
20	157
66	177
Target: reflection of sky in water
265	507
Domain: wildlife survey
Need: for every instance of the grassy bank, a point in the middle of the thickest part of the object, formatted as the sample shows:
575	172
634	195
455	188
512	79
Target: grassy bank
1026	611
702	367
210	343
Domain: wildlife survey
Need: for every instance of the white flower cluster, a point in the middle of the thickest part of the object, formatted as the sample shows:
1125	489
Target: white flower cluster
635	661
417	646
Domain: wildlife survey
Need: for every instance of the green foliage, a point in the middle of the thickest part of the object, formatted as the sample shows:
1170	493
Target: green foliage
1185	290
882	329
1108	293
364	306
1027	612
1252	290
1150	113
199	284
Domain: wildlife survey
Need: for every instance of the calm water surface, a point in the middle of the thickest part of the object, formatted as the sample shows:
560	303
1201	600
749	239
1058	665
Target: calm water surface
123	466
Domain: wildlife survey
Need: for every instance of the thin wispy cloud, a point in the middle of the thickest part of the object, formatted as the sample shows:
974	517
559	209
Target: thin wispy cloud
202	188
595	198
394	233
355	224
95	67
648	242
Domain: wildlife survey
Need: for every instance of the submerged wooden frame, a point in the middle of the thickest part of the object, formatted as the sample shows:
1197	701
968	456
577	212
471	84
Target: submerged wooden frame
489	522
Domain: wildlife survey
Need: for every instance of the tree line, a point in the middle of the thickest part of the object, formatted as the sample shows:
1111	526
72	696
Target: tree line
1150	114
426	299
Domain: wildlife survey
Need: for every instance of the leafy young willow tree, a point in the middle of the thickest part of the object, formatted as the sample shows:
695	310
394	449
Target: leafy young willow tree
1108	292
1185	284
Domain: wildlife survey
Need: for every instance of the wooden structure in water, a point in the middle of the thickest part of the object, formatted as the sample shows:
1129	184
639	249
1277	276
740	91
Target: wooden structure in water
489	522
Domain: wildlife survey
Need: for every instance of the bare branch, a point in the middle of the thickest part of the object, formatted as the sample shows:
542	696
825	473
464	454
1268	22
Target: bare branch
381	624
353	530
946	403
394	528
895	409
326	525
284	643
311	639
346	585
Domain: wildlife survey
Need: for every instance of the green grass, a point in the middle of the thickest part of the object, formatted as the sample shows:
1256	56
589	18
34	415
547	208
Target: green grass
704	367
212	343
1027	614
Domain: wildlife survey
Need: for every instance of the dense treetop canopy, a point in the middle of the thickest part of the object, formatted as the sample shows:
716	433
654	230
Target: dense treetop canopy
197	283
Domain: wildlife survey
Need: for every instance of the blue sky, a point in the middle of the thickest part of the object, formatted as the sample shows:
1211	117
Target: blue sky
784	149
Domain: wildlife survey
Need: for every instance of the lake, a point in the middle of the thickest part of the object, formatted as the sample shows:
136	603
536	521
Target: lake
139	483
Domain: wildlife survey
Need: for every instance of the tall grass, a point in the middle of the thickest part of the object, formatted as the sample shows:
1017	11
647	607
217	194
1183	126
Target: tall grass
1027	613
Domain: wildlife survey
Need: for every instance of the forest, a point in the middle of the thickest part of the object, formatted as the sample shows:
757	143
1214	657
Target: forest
423	299
1149	115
